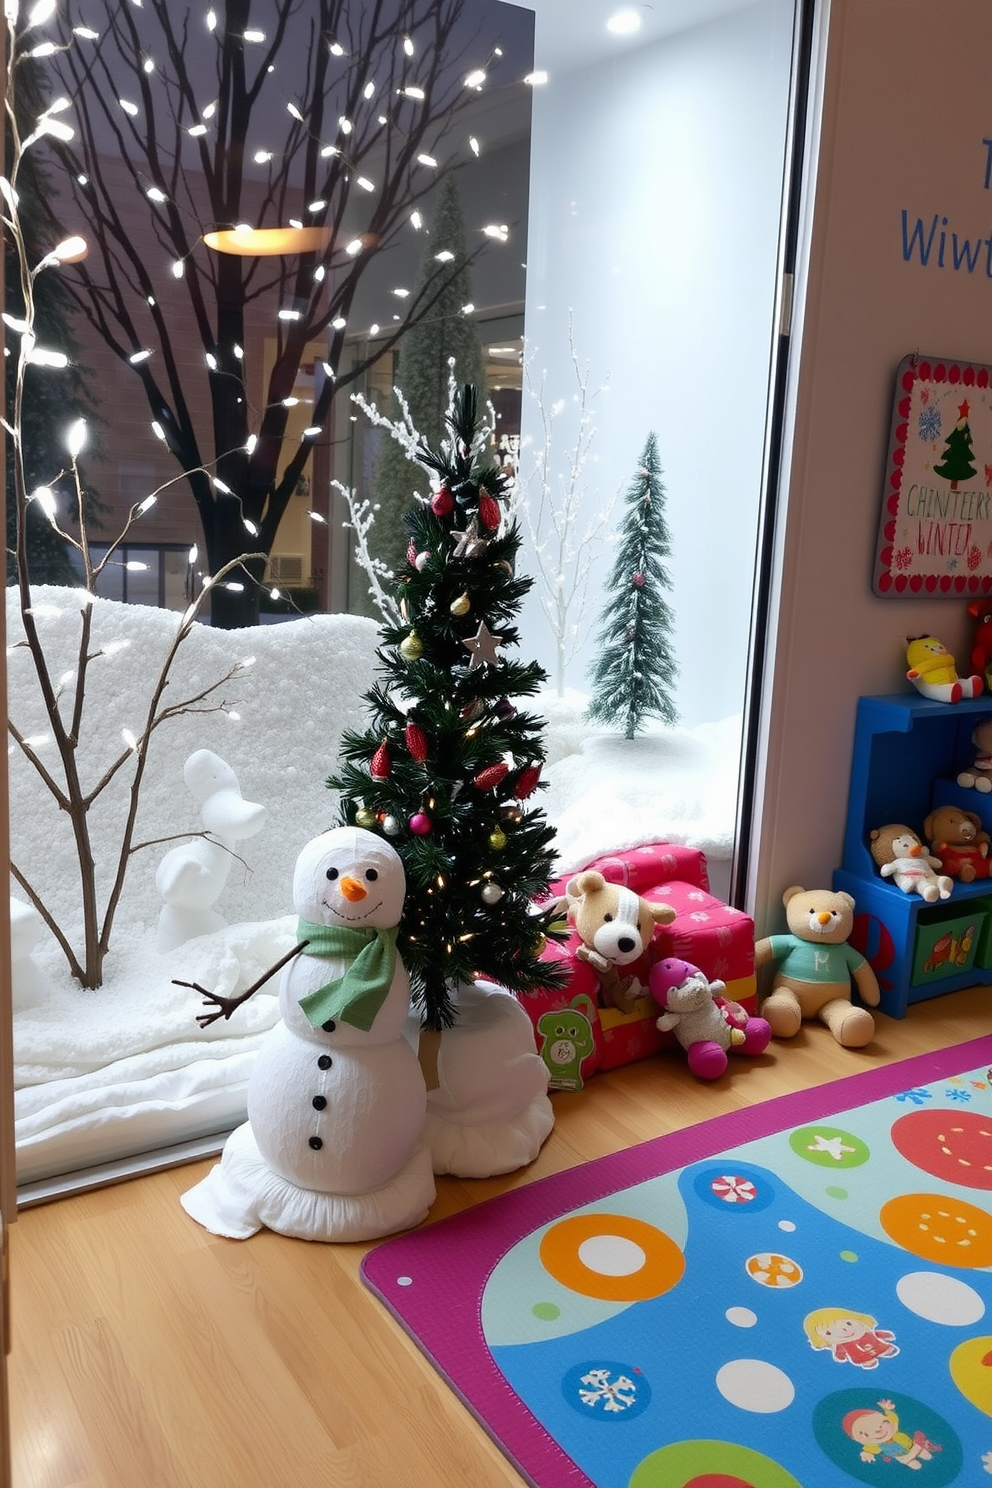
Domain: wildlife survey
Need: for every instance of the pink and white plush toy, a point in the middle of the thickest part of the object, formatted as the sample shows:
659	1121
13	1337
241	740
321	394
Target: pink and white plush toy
704	1022
900	855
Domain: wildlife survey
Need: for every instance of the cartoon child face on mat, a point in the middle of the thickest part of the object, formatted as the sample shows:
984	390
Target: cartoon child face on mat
877	1432
852	1337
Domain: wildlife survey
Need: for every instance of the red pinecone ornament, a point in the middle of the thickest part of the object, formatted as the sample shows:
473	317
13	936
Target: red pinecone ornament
491	776
381	764
416	742
527	781
411	553
488	511
442	502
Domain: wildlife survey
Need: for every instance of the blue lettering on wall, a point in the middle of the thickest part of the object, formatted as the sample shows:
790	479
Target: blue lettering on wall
922	236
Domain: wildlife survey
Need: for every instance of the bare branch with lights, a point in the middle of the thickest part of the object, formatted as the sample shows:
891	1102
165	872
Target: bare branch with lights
62	776
330	126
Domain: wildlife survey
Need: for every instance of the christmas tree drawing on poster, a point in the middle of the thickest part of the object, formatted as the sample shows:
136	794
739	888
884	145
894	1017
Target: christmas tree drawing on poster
635	666
451	759
957	459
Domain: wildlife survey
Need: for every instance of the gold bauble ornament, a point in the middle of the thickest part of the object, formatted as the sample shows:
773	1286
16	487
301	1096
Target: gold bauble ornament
497	840
540	944
364	817
412	648
461	605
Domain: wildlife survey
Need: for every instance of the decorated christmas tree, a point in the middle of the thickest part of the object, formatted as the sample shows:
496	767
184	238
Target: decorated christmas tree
449	764
958	462
635	669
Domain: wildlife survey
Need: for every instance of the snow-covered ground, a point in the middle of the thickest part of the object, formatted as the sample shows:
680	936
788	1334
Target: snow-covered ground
103	1074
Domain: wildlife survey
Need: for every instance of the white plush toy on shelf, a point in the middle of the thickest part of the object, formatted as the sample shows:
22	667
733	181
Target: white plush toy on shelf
191	878
332	1148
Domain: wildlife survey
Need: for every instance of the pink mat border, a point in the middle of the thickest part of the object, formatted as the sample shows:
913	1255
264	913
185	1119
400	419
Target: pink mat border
448	1263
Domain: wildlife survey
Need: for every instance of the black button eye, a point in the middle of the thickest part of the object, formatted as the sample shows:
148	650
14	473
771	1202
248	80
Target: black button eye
371	874
332	873
607	919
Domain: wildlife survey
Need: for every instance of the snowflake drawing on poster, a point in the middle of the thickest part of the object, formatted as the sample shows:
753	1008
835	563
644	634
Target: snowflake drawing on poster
935	524
930	423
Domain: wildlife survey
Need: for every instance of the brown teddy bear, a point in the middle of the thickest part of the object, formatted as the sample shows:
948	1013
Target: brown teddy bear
615	926
901	856
813	979
957	839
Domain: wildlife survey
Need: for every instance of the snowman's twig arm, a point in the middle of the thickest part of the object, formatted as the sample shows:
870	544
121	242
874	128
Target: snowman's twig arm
225	1006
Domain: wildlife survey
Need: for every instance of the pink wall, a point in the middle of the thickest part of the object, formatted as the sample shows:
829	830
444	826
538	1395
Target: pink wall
905	117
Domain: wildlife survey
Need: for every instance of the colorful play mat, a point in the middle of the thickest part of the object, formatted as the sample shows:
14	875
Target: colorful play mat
796	1294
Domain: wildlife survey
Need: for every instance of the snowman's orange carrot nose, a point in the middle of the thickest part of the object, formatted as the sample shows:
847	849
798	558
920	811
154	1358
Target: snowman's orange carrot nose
352	889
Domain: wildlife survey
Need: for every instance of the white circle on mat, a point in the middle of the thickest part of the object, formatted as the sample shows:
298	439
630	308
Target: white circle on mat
786	1224
940	1299
755	1385
404	1281
741	1317
612	1255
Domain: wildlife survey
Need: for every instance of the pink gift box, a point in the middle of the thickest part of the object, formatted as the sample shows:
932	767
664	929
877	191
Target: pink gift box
712	935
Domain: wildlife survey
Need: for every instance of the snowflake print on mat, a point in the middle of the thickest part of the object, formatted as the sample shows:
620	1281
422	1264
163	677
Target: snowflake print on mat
918	1096
607	1389
733	1189
961	1096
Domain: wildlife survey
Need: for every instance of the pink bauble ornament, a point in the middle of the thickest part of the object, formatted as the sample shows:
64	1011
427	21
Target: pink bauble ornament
638	581
420	824
421	561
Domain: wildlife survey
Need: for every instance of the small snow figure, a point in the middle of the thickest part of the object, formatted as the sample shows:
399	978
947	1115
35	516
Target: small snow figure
27	928
635	668
332	1146
191	878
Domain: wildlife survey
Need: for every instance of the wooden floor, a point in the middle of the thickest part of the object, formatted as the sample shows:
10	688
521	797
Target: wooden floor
149	1354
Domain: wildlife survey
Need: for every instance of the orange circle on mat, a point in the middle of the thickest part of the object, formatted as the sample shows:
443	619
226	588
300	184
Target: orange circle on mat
658	1269
939	1228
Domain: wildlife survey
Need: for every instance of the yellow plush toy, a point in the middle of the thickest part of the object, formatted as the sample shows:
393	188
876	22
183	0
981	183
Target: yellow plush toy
615	926
932	671
815	967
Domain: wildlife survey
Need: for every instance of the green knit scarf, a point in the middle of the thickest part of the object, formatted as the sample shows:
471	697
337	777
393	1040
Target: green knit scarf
357	996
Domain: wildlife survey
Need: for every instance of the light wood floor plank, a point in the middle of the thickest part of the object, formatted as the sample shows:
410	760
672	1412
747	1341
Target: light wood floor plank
149	1354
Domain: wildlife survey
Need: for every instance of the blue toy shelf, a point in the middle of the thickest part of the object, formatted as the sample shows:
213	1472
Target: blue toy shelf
908	752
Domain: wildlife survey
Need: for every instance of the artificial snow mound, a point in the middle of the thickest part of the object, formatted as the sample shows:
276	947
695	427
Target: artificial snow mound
103	1074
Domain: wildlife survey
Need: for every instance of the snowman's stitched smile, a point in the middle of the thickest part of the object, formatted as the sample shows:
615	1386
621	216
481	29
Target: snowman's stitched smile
371	909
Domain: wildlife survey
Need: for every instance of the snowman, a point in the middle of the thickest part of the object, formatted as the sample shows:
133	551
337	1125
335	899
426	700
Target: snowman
332	1146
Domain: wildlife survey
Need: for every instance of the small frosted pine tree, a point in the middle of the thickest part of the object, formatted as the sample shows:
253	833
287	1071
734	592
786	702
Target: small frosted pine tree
635	669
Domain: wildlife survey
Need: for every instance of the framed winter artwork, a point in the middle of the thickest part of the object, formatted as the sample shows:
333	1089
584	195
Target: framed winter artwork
935	529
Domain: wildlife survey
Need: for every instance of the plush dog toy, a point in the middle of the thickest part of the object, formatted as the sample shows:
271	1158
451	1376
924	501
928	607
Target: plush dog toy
615	926
957	839
901	856
813	979
704	1022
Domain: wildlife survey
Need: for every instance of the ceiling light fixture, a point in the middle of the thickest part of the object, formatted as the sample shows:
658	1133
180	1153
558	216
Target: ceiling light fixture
624	23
